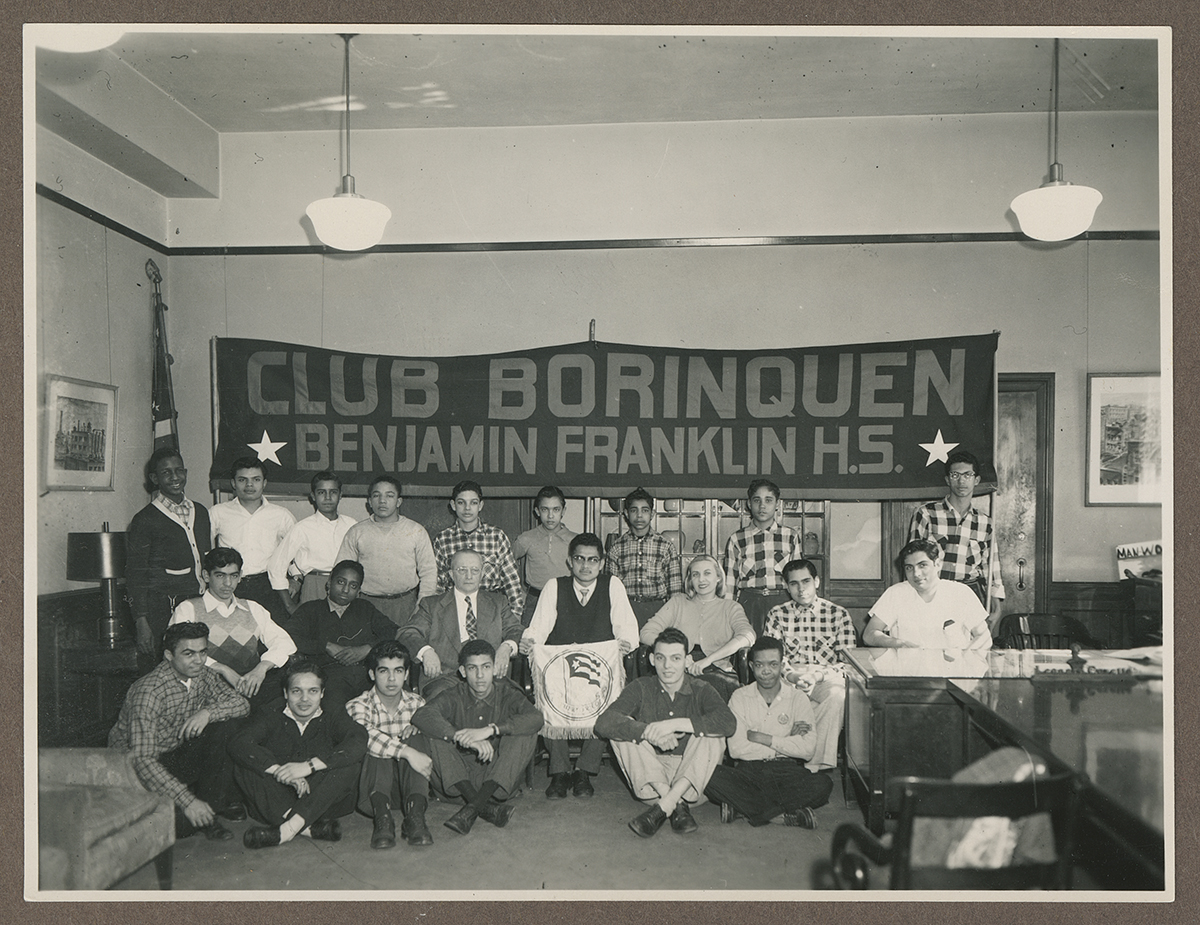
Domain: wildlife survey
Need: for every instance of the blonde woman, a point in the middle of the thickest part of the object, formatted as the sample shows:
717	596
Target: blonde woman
715	625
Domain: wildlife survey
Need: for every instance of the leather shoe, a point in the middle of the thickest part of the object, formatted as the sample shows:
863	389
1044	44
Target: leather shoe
728	813
216	832
326	830
261	836
497	814
803	817
384	833
413	828
462	820
582	784
234	812
648	823
682	821
558	786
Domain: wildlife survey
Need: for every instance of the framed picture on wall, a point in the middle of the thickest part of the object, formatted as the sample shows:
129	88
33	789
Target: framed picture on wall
1124	434
81	434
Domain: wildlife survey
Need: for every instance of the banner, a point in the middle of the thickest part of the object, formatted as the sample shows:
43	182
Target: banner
574	684
859	422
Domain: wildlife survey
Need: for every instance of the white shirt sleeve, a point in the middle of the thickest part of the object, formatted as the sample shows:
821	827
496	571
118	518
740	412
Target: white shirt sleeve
545	615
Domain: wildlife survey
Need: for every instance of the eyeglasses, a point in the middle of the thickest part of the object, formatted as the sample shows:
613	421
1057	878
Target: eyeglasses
586	560
468	572
963	476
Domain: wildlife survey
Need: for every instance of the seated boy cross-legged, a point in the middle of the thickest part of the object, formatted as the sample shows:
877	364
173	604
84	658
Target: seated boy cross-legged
397	766
481	732
668	733
776	736
298	765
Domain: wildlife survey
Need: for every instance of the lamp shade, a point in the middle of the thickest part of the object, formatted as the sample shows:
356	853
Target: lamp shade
1056	211
95	556
76	38
348	222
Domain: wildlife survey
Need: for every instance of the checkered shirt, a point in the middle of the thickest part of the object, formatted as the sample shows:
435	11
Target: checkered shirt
152	718
499	567
648	566
810	636
384	729
754	558
966	541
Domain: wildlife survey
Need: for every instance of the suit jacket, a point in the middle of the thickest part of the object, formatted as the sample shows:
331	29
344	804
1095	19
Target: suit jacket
436	624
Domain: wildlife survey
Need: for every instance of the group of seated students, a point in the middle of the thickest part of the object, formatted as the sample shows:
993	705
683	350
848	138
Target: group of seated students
296	709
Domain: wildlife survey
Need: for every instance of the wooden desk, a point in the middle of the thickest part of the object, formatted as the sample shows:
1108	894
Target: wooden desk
931	712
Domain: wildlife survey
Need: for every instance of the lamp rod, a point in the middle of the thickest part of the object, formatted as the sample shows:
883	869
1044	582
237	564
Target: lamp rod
346	82
1054	131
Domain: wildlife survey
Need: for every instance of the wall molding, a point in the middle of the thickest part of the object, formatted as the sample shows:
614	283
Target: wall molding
597	244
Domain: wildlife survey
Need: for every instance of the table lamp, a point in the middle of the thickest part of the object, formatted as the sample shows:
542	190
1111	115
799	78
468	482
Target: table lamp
100	557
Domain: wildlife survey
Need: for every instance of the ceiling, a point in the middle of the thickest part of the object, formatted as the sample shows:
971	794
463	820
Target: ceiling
285	82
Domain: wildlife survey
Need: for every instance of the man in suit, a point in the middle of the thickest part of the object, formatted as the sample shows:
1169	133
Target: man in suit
444	622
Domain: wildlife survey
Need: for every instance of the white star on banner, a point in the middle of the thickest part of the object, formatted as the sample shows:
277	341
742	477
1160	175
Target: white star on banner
939	450
267	448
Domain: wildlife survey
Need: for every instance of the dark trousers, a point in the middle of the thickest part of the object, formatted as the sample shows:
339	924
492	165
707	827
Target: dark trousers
342	683
452	764
644	610
531	598
331	794
392	777
591	752
159	607
762	790
258	588
203	763
757	606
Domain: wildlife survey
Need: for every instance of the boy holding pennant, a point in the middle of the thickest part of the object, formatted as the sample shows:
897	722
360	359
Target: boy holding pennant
581	628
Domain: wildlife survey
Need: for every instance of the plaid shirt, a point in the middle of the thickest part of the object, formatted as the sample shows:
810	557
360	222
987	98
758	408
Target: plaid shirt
967	543
499	567
754	557
384	729
814	635
153	715
648	566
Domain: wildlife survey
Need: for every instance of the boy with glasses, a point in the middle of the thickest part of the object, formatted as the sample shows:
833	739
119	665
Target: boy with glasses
580	610
965	533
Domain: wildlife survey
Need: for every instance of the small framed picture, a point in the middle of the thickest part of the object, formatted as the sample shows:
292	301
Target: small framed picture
81	434
1124	434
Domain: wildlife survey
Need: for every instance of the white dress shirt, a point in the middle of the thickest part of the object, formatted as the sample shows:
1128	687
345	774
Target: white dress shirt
255	536
311	546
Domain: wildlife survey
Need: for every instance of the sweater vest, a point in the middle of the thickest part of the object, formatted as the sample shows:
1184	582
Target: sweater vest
590	622
233	640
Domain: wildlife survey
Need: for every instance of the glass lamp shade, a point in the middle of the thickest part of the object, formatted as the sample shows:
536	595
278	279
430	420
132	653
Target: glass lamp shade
1056	211
348	222
76	38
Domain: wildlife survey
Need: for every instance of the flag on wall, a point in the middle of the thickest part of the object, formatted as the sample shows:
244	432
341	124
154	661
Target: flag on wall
163	416
574	684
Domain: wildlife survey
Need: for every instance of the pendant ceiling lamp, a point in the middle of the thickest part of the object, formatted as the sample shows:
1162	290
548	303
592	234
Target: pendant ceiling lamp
1056	210
76	38
347	221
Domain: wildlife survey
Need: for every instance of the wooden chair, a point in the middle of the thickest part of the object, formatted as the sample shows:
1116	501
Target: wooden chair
1042	631
923	798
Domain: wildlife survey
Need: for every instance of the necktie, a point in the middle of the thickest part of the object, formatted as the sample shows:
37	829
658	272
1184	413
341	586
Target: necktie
583	596
471	630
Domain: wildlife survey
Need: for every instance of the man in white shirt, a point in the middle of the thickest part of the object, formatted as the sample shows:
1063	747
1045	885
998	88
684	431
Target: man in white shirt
774	739
579	610
444	622
309	551
254	527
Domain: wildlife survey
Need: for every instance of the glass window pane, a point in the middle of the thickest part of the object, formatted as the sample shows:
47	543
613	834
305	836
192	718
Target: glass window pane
855	540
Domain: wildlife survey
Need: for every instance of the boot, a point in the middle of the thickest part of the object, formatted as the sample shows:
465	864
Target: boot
413	829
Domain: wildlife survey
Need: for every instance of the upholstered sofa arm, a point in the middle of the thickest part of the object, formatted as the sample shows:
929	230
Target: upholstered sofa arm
98	767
